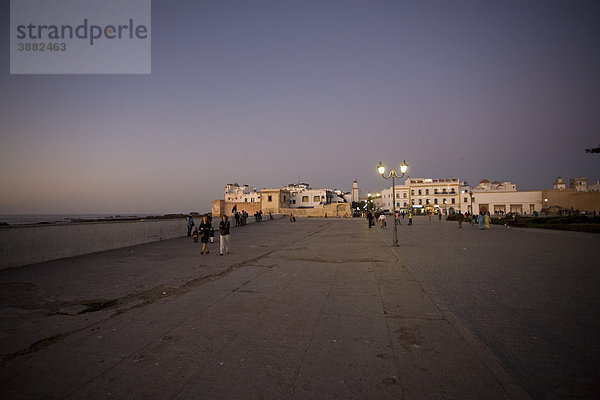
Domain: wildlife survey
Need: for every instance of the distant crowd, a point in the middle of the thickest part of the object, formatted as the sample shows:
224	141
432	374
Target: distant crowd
483	219
205	233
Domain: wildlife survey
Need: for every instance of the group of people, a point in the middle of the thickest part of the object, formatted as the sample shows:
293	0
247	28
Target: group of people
483	219
371	217
206	233
240	217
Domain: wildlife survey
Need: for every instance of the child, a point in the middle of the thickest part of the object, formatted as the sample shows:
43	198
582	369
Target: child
195	235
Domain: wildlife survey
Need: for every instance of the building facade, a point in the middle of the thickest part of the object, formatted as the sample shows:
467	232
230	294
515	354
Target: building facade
241	194
423	196
579	184
502	203
450	195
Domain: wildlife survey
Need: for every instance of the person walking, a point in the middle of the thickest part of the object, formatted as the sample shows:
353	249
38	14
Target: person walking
205	228
480	220
440	216
370	218
486	221
237	218
382	220
190	224
460	218
224	237
410	218
397	218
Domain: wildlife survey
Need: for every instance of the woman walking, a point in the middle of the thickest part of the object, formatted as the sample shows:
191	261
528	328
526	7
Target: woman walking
205	228
486	221
480	219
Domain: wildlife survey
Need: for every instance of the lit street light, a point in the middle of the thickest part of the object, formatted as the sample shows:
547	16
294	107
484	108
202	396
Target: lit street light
393	174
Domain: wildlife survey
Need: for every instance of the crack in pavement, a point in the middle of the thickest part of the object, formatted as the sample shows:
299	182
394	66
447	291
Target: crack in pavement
333	260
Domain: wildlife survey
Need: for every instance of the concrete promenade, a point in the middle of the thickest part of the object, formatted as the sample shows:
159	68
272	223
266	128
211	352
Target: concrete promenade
318	309
531	295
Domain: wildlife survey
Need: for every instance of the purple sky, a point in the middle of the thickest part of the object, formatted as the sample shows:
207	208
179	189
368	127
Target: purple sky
269	93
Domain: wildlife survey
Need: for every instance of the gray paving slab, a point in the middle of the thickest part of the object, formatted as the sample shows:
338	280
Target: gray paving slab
319	309
529	295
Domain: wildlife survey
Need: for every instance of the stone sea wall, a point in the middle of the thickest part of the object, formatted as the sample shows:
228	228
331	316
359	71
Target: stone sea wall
30	244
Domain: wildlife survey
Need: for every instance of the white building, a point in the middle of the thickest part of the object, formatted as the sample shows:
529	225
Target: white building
428	195
402	199
501	203
487	186
303	196
500	198
559	184
448	196
423	195
241	194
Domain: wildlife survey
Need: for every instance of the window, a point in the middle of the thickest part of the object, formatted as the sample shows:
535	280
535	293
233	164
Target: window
434	201
465	199
270	198
305	199
420	201
435	191
412	192
405	204
293	201
404	195
397	195
427	201
413	202
420	192
453	200
427	191
316	199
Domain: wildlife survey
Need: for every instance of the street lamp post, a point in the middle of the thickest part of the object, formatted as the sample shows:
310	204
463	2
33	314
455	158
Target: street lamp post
471	196
393	174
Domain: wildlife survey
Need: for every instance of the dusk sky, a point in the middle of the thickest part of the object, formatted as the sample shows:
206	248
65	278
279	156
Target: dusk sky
276	92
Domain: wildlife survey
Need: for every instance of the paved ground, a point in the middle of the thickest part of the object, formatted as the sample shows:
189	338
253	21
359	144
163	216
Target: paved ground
532	296
318	309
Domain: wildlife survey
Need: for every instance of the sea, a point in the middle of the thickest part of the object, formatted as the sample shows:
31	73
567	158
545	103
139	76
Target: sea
25	219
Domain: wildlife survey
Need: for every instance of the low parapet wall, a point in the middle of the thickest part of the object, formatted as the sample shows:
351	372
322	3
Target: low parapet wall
220	207
333	210
23	245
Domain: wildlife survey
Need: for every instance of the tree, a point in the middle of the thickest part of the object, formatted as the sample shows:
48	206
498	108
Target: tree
593	150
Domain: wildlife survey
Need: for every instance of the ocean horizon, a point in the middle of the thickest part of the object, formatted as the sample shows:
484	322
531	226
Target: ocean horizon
25	219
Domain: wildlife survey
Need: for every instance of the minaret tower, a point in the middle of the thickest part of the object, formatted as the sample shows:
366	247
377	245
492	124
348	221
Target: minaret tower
355	193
